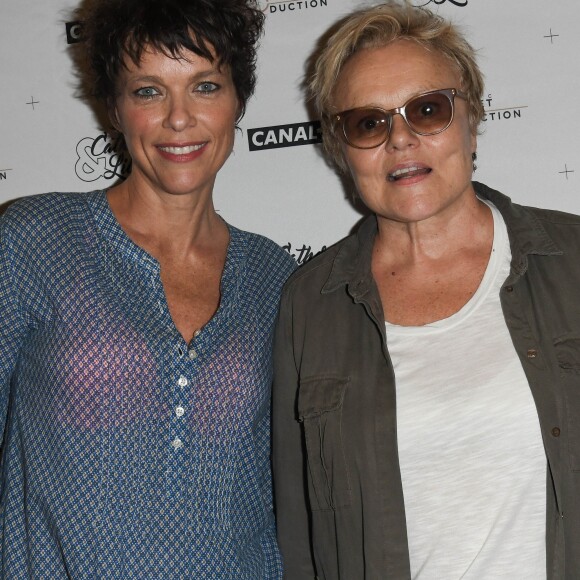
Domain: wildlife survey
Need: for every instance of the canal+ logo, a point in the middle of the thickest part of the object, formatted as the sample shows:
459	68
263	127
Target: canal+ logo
278	136
282	6
74	32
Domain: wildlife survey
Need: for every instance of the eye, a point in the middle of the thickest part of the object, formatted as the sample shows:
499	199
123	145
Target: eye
368	122
207	87
428	109
146	92
429	113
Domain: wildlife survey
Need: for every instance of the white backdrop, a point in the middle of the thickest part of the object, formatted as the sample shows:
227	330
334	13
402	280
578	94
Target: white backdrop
530	148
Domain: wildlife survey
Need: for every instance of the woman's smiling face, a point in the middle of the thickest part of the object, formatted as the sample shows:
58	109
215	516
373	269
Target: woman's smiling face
178	118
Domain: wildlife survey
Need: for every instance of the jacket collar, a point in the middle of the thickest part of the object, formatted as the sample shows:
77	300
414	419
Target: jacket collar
526	233
352	263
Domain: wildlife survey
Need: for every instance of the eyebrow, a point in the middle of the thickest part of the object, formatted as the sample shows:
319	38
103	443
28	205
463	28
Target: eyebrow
196	76
374	105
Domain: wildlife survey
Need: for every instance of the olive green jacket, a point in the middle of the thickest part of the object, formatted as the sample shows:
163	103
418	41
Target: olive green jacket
338	491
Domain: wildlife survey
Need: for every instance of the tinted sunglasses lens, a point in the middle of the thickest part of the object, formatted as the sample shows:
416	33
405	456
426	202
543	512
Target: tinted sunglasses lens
365	127
429	114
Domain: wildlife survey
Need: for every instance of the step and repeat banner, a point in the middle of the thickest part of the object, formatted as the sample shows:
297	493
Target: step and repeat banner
277	182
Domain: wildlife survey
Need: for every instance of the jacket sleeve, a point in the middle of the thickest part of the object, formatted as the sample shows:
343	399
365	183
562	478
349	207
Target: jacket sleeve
12	326
289	458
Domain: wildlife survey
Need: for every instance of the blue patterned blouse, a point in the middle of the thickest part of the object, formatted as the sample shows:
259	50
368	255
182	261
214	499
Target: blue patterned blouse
128	453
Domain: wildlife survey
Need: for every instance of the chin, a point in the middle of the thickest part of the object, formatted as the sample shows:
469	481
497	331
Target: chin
181	188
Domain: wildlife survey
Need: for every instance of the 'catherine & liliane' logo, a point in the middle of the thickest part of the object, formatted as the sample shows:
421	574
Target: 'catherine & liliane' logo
102	156
423	3
302	254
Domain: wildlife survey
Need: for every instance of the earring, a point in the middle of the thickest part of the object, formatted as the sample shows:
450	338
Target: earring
474	158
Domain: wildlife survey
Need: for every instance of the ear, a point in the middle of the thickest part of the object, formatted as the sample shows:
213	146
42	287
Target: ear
114	116
473	142
239	112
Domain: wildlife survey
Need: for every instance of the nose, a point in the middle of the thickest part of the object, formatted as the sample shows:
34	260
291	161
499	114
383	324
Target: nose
179	114
401	135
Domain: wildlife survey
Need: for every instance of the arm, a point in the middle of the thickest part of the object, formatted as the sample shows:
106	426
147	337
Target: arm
12	326
263	437
288	456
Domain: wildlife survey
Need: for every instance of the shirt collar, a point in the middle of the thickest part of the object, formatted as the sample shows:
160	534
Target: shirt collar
114	234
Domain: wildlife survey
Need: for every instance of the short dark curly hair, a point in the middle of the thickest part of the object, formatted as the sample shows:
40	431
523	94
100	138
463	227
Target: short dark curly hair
115	29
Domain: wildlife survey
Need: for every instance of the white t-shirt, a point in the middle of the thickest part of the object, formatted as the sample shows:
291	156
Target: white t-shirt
472	460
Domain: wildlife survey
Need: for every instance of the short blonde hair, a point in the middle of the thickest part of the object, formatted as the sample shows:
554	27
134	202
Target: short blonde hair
376	27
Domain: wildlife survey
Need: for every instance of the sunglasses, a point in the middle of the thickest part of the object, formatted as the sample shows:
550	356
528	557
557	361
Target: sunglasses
426	114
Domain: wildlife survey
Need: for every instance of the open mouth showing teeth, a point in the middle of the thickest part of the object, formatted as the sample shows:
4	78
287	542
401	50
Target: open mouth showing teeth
407	172
182	150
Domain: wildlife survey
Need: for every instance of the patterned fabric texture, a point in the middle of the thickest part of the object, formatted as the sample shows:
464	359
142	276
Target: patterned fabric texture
128	453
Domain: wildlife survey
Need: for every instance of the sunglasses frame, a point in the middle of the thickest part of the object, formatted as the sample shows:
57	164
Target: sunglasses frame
340	118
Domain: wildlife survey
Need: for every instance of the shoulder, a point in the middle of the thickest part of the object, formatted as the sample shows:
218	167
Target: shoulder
513	210
264	257
551	217
43	212
562	228
41	226
312	276
545	229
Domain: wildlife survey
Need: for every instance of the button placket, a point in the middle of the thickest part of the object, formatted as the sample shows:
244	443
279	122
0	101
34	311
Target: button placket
184	369
191	351
179	410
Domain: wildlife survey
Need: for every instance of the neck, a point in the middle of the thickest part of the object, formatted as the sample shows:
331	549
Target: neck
465	227
176	222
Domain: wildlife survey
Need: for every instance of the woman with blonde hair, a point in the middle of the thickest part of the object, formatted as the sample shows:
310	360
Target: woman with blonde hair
426	382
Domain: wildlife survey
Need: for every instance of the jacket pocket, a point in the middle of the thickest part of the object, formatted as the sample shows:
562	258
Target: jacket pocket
320	409
567	349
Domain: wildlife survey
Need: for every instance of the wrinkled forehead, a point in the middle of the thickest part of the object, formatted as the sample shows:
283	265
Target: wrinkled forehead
391	74
407	52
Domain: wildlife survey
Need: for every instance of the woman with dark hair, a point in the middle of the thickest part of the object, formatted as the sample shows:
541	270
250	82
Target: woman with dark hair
136	325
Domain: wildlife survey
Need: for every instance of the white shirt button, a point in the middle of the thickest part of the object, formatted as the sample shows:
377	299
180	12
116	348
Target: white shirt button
177	443
179	411
192	354
182	382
